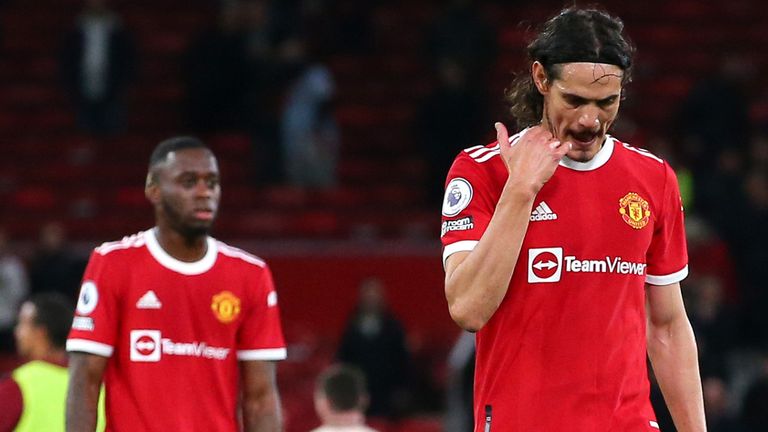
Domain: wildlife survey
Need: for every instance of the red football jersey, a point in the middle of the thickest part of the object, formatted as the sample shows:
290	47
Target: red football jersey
175	331
566	350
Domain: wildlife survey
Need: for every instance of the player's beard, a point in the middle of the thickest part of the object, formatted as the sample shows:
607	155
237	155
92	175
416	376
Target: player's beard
177	222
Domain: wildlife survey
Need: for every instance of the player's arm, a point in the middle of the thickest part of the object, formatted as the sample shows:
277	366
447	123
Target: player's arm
261	401
672	350
85	375
477	281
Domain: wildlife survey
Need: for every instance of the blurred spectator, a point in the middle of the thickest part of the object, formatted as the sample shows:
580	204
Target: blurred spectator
218	75
754	415
721	188
758	152
749	235
341	399
715	115
713	322
459	411
35	393
310	135
374	341
97	65
14	287
716	397
267	84
461	33
54	266
450	119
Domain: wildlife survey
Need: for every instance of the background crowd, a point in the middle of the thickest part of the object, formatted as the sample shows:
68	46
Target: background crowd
336	121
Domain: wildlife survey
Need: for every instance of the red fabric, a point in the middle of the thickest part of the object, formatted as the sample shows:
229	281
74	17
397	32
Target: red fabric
569	335
12	406
177	338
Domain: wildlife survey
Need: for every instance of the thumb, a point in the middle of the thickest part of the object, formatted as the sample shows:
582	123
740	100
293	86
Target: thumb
502	136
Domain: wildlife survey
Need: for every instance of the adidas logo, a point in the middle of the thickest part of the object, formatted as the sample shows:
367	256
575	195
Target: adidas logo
149	301
542	212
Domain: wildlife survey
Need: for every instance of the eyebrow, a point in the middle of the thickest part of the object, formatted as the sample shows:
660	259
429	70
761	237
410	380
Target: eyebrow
576	97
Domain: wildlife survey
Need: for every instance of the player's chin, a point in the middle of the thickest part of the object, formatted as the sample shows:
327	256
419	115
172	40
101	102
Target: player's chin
580	155
196	227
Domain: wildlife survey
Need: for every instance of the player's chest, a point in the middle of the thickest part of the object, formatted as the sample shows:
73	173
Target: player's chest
183	304
594	216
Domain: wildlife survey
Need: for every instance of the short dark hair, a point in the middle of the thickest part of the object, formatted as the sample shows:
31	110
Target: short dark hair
54	313
344	386
573	35
160	153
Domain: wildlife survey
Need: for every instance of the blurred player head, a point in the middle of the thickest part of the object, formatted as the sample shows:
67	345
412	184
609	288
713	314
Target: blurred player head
580	62
43	325
341	396
183	186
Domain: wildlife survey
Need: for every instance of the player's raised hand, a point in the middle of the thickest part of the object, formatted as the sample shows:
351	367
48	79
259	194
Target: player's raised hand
534	158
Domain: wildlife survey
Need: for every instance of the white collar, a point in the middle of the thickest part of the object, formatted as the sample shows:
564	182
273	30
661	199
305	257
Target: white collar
600	158
186	268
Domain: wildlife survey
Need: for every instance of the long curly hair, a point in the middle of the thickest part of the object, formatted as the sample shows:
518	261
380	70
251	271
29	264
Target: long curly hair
573	35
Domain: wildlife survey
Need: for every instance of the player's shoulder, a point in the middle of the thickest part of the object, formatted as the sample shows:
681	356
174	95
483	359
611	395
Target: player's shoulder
481	158
127	245
640	159
239	256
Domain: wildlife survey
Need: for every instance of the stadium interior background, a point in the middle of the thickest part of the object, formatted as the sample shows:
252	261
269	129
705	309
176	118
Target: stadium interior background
406	72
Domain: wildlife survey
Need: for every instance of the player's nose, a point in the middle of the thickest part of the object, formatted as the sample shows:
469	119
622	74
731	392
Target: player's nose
589	119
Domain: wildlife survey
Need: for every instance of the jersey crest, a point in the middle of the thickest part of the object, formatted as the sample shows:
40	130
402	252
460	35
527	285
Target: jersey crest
634	210
225	306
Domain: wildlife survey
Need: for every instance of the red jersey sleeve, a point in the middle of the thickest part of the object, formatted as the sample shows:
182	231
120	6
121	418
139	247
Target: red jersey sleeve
468	204
667	255
261	335
94	328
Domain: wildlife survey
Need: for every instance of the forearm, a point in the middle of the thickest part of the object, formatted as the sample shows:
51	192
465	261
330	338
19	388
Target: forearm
85	373
262	414
673	354
476	287
82	403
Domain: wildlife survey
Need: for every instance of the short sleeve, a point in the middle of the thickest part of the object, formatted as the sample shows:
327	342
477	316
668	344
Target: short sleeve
94	327
261	336
468	204
667	255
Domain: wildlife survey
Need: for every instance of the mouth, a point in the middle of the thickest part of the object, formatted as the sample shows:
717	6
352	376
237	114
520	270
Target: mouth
584	140
204	214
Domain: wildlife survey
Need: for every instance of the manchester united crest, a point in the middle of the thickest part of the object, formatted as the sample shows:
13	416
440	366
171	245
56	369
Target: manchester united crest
225	306
634	210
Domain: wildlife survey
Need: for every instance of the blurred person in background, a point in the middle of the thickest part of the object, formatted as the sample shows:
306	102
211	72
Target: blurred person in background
55	266
310	134
374	341
450	118
14	287
754	413
565	249
714	322
183	329
218	75
716	405
460	32
459	415
97	64
33	397
341	399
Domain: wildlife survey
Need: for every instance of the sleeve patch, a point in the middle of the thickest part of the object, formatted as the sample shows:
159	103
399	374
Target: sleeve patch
458	195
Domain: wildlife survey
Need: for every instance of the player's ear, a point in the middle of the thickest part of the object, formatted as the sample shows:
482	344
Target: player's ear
539	76
151	188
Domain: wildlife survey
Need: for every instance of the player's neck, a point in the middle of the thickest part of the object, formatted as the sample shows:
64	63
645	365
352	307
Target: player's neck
350	418
179	246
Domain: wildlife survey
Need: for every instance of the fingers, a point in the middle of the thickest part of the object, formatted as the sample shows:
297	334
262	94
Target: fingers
502	136
562	149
